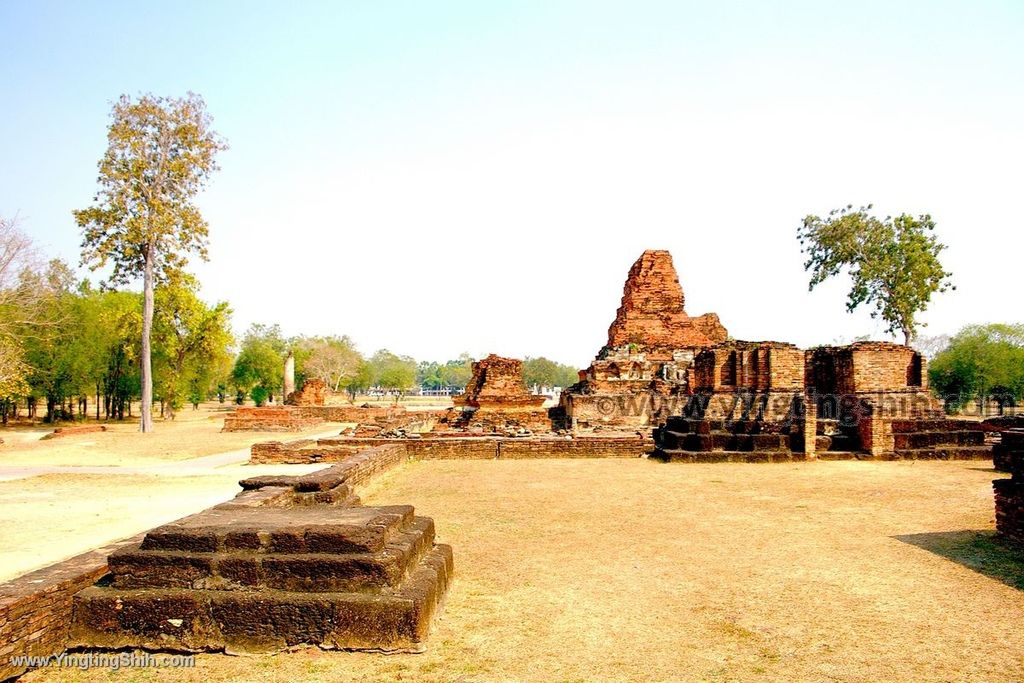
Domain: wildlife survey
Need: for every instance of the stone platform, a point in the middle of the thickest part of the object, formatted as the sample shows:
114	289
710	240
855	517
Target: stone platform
288	562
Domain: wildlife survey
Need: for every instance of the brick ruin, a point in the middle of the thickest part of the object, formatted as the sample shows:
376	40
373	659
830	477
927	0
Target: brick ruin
496	400
268	419
289	561
1009	493
313	393
706	393
649	355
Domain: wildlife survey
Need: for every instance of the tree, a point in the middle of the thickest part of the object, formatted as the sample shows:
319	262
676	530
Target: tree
190	338
893	262
454	373
981	361
397	373
25	308
260	361
542	372
160	154
334	360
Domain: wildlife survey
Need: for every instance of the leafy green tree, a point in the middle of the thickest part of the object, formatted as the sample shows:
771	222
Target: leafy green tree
456	373
893	262
397	373
980	362
542	372
260	361
190	338
144	222
361	381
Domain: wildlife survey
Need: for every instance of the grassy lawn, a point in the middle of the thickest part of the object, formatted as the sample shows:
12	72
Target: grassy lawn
630	570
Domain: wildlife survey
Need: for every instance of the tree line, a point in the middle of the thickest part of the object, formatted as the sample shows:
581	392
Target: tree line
70	348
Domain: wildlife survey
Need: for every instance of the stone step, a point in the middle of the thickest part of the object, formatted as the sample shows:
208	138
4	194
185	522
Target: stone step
133	567
186	620
722	441
307	529
943	453
925	439
667	455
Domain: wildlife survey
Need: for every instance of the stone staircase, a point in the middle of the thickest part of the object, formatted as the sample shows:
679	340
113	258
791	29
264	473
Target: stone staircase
683	439
939	439
286	563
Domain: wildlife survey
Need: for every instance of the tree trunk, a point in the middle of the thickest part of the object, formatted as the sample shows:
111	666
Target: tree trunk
146	411
907	336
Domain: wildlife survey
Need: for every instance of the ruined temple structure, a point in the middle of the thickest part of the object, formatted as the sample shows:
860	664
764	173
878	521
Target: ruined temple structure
496	400
712	398
290	561
1009	493
313	393
649	355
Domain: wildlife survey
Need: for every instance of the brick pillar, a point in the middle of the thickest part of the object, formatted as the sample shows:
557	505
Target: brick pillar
810	426
875	430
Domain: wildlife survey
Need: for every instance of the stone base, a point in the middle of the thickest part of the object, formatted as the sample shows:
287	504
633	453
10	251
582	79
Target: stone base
288	562
267	620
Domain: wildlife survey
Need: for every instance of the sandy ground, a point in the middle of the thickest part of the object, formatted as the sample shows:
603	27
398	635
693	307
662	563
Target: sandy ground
630	570
191	434
52	517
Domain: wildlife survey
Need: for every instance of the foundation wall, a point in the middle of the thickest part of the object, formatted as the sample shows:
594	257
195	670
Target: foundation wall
468	448
35	609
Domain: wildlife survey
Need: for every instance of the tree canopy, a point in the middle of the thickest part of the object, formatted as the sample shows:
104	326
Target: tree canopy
893	263
144	221
543	372
981	362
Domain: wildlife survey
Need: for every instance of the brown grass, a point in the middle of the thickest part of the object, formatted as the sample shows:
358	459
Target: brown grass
629	570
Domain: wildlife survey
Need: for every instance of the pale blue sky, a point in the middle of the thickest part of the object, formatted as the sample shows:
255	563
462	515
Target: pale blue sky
440	177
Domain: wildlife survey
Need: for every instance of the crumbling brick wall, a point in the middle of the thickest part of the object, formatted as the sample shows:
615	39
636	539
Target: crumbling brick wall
35	609
865	367
313	393
755	366
1009	493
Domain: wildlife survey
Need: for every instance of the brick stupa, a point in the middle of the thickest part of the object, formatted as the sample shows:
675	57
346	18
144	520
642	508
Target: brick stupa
653	313
496	399
650	351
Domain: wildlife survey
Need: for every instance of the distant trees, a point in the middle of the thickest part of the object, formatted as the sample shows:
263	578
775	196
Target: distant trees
983	362
893	262
542	372
453	373
23	300
259	366
393	372
191	342
160	154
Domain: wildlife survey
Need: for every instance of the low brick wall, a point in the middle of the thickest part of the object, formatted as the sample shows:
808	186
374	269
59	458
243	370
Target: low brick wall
603	447
468	448
371	462
35	609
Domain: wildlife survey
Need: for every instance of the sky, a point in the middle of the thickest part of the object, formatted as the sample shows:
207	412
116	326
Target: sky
442	177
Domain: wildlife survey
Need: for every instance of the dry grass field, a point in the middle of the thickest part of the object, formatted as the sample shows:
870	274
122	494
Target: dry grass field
631	570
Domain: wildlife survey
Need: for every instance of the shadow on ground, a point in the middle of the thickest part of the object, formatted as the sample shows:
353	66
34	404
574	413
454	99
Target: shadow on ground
977	550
